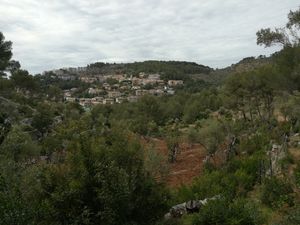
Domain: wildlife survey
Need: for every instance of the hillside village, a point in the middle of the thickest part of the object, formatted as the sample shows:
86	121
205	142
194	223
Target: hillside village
113	88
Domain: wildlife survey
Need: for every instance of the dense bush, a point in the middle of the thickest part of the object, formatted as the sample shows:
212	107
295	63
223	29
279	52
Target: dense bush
239	212
292	217
277	192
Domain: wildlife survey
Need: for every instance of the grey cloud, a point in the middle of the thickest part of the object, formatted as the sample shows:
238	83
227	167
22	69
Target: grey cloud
52	34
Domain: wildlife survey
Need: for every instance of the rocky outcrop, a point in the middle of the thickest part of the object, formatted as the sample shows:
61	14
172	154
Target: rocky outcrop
275	155
192	206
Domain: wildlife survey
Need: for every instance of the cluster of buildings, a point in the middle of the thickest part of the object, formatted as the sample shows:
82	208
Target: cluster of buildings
118	88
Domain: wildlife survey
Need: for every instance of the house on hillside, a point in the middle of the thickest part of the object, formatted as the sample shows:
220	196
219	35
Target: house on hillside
66	77
67	93
97	100
170	91
85	102
172	83
70	99
108	101
153	77
142	75
114	94
106	86
141	92
88	79
94	91
121	99
147	81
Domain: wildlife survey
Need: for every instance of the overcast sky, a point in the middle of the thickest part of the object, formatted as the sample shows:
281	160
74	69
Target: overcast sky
48	34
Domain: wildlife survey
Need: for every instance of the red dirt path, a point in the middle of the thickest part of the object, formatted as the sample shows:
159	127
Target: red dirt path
188	165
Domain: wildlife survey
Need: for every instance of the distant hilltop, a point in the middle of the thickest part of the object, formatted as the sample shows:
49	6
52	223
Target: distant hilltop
168	70
175	69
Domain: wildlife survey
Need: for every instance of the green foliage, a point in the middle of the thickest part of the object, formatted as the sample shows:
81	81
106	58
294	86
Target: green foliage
287	63
292	216
277	192
169	70
251	94
48	79
268	38
172	140
19	146
211	135
297	175
221	211
102	181
54	93
73	111
208	185
235	179
172	70
258	142
6	87
149	106
285	36
5	53
13	208
192	135
193	85
155	164
287	60
199	105
211	184
5	126
43	118
112	81
290	108
23	80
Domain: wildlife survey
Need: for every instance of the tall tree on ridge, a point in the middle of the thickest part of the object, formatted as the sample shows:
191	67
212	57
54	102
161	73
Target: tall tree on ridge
5	54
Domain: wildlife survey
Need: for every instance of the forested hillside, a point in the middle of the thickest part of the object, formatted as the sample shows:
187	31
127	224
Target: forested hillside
174	69
134	162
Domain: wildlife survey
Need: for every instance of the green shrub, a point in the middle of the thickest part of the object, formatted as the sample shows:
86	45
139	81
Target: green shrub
297	175
222	212
292	217
277	192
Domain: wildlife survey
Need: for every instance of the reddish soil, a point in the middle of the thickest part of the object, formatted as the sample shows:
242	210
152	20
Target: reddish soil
188	165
